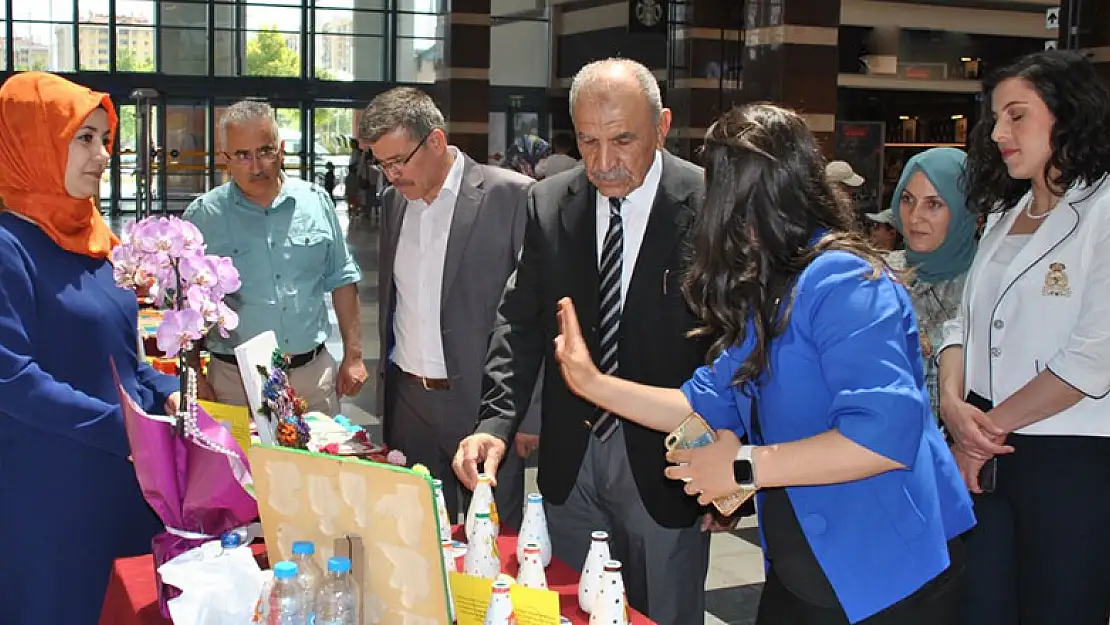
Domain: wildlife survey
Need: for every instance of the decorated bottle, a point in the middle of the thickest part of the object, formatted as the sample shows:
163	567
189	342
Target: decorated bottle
531	573
593	570
500	610
482	559
534	529
610	603
482	501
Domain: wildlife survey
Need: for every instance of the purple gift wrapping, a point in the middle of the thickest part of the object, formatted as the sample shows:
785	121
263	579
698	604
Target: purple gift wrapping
198	483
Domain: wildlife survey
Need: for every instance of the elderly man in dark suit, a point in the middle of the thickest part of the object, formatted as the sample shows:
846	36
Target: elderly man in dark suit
610	235
451	233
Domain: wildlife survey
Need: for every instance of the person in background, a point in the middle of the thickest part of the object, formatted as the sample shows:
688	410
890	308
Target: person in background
819	363
285	240
884	236
840	172
930	213
613	234
1025	365
451	233
352	186
560	159
329	179
69	500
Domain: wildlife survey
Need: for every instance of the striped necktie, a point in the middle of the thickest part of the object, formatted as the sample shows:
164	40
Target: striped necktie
609	272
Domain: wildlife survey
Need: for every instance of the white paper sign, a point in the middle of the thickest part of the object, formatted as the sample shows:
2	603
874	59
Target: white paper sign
1050	44
251	354
1052	18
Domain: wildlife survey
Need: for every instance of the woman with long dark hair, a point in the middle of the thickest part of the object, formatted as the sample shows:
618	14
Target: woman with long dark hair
819	364
1025	367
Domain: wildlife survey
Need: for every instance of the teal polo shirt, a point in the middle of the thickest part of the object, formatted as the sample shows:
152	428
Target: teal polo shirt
290	255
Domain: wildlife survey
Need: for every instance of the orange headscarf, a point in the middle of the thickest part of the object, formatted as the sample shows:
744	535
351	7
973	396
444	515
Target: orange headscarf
39	115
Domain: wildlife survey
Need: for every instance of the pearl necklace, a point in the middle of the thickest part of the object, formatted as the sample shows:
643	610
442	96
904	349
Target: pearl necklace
1029	211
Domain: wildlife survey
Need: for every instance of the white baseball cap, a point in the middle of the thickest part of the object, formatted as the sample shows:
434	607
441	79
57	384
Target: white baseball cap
882	217
840	171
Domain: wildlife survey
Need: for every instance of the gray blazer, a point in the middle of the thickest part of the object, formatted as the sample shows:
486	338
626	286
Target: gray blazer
486	235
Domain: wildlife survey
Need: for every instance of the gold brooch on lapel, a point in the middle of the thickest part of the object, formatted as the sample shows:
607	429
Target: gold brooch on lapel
1056	281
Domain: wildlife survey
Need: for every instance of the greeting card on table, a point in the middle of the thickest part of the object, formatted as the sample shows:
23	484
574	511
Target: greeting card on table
531	606
250	355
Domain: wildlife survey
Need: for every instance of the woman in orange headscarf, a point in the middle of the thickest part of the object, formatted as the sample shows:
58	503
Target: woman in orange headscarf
69	500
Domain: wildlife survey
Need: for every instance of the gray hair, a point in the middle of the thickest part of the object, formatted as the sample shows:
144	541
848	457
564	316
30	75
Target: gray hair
405	108
599	74
245	112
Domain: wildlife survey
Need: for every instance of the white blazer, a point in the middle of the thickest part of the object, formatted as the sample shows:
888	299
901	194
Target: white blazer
1053	311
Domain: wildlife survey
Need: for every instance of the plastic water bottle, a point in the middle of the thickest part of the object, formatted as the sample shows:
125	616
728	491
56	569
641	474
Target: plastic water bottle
229	541
337	602
285	605
309	573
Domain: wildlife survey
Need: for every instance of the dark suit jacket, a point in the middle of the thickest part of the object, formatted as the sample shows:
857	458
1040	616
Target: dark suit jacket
560	259
486	233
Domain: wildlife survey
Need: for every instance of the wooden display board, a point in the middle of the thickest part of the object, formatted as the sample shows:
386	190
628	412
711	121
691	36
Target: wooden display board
383	517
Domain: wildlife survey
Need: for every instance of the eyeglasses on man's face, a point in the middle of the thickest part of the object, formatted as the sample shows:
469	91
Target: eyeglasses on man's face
266	153
396	164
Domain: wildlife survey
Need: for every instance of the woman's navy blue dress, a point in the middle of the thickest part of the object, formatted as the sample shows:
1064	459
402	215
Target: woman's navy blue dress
69	500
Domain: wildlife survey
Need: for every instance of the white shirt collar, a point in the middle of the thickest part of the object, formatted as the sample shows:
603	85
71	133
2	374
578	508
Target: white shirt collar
454	177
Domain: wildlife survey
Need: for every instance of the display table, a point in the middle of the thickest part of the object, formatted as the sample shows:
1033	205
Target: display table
132	597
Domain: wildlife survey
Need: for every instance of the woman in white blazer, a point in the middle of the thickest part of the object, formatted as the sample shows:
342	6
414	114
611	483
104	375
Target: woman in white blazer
1025	366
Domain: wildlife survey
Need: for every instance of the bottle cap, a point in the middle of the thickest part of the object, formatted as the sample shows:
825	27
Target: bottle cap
599	535
482	477
285	570
230	540
437	484
304	548
339	564
535	498
612	566
501	586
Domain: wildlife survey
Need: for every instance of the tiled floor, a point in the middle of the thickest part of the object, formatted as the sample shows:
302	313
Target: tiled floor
736	564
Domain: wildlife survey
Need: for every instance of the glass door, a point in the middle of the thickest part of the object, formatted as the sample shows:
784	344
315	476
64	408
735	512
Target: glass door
332	130
185	153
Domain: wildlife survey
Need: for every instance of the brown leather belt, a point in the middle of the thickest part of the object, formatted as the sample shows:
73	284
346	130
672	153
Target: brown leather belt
429	384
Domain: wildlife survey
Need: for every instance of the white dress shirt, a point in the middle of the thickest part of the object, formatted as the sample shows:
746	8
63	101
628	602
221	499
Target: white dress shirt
418	274
634	217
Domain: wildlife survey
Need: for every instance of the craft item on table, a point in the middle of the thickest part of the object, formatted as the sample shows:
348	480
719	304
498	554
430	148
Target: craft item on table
482	501
531	573
252	356
339	437
482	559
451	565
283	409
593	570
500	610
381	516
441	511
534	529
610	604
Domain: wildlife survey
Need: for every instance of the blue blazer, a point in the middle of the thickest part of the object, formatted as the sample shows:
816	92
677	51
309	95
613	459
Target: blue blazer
850	360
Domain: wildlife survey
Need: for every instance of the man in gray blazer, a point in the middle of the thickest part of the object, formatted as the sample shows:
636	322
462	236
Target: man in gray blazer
451	232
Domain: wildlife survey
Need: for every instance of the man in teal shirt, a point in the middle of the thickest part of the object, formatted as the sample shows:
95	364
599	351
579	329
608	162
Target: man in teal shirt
283	236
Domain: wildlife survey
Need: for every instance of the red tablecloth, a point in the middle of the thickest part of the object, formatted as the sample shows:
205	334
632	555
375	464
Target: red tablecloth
132	597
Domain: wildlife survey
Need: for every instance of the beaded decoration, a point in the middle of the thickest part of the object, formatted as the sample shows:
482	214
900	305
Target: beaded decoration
280	404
